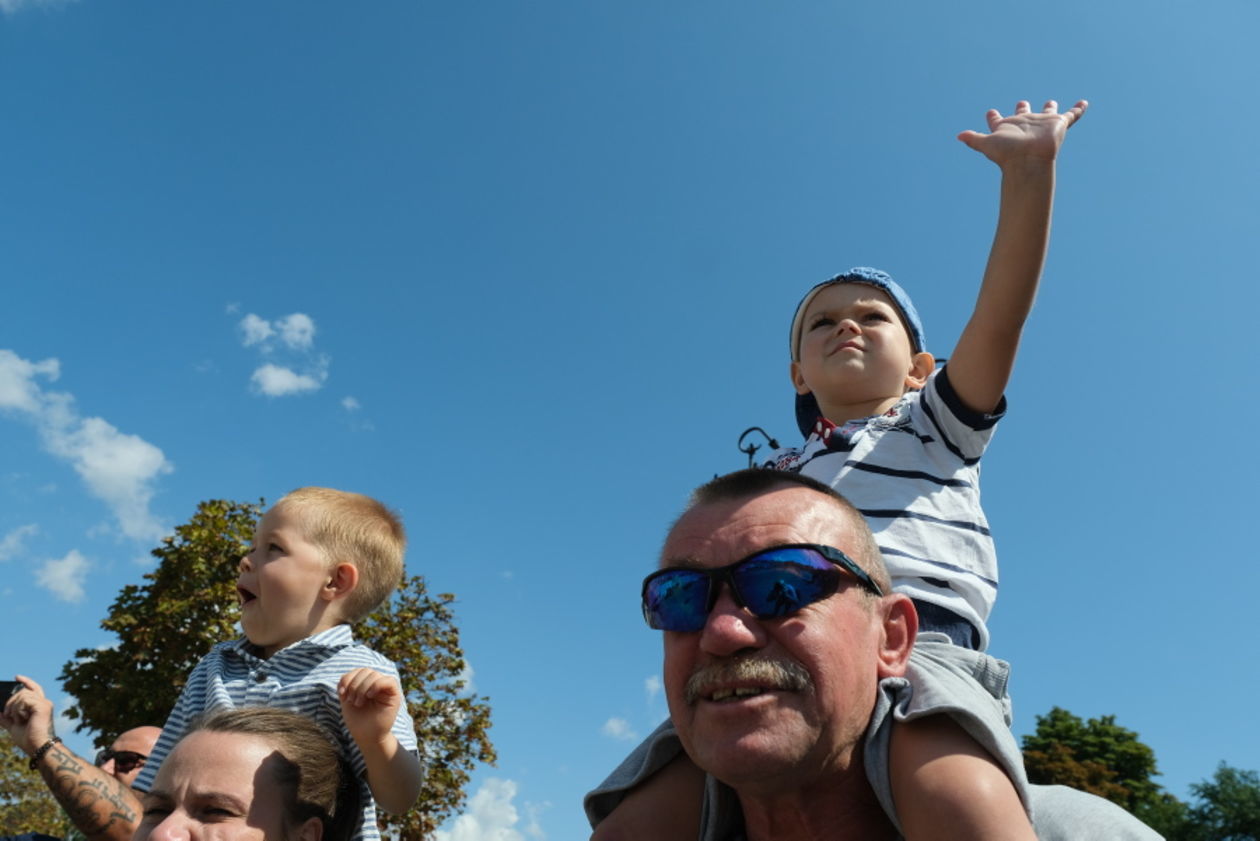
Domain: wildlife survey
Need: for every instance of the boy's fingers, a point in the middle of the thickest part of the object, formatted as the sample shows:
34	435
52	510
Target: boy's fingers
993	117
1050	107
1022	107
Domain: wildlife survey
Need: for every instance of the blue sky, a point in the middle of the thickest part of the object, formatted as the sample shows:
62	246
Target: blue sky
525	271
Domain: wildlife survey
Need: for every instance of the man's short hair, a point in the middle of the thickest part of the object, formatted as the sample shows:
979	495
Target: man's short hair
354	529
751	482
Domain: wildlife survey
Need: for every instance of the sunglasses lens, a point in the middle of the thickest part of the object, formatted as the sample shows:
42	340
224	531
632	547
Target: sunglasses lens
782	582
127	761
676	600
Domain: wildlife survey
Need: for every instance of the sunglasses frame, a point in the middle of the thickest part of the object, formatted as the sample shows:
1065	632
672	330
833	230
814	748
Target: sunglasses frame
106	754
726	575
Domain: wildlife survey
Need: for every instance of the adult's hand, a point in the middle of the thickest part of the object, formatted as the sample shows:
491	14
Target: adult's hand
28	716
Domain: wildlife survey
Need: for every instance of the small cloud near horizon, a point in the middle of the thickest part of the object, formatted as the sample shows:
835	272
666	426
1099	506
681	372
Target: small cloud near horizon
65	577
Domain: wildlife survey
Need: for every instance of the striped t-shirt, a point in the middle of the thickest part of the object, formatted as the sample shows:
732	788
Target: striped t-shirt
914	473
302	678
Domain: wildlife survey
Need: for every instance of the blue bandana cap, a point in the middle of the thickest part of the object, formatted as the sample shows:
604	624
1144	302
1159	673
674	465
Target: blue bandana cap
807	410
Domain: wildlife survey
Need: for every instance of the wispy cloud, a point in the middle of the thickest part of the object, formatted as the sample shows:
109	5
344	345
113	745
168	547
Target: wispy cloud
8	7
350	404
12	542
491	816
277	381
291	336
295	332
619	729
119	469
64	578
652	687
255	330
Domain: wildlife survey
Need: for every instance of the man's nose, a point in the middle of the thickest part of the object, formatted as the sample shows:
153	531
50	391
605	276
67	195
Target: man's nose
730	628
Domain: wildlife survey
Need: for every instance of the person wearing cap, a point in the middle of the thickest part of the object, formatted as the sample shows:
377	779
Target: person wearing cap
902	441
72	780
784	653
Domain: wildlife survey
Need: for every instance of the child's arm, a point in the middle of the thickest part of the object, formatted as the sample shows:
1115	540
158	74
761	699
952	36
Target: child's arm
369	704
946	786
1024	145
664	807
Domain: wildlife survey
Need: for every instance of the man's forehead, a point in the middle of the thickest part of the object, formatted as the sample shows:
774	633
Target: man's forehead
139	739
724	531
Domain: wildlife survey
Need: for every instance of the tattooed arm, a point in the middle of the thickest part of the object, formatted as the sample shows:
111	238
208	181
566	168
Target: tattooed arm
102	807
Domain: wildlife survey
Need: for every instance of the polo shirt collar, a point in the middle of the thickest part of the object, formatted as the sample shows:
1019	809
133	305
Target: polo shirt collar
338	636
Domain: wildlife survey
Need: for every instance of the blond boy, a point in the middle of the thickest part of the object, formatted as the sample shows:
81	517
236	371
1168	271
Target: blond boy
903	442
321	560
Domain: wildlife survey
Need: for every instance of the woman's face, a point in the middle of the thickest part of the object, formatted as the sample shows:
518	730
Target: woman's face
218	787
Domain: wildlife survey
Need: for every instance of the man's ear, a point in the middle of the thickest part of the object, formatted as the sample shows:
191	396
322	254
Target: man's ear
900	627
798	381
922	364
341	580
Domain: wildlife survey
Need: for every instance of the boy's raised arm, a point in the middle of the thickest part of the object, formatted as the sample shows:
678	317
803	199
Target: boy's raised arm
1024	145
369	704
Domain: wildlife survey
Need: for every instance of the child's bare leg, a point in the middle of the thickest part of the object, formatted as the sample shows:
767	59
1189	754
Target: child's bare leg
664	807
946	786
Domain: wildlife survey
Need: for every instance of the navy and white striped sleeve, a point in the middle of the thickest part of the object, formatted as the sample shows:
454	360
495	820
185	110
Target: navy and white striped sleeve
188	706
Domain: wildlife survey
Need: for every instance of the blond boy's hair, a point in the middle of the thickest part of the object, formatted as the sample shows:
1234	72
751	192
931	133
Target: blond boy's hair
353	529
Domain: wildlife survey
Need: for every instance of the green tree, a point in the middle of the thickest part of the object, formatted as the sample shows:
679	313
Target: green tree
25	804
1227	807
417	631
164	626
188	603
1097	756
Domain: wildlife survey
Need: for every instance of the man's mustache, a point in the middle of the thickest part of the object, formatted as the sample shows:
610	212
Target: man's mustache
771	674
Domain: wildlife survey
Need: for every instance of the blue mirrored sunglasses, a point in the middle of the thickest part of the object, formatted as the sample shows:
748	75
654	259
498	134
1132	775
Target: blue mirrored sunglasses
771	584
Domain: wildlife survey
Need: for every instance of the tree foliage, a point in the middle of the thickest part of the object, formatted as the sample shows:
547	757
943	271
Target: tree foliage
188	603
164	626
1226	808
1097	756
417	631
1103	758
25	803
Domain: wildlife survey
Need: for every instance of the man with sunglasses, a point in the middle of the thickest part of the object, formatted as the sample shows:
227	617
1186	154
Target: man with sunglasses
785	654
28	716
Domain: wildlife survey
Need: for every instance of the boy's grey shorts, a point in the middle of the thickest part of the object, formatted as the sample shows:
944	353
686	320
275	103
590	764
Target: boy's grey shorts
968	686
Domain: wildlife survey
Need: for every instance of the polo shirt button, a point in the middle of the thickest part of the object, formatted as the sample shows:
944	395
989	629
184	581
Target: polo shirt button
259	677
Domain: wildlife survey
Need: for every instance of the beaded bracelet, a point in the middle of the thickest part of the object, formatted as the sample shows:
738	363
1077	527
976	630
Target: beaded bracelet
45	748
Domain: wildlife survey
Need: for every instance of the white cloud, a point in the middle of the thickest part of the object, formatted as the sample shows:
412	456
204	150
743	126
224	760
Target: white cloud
350	404
293	336
18	389
296	330
64	578
619	729
491	816
255	330
466	675
117	468
12	542
652	686
11	6
275	381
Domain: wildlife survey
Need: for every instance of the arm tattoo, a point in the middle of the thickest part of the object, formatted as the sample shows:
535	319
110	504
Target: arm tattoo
98	804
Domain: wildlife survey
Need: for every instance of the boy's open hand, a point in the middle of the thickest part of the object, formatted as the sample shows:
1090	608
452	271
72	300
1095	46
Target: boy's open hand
1025	136
369	704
